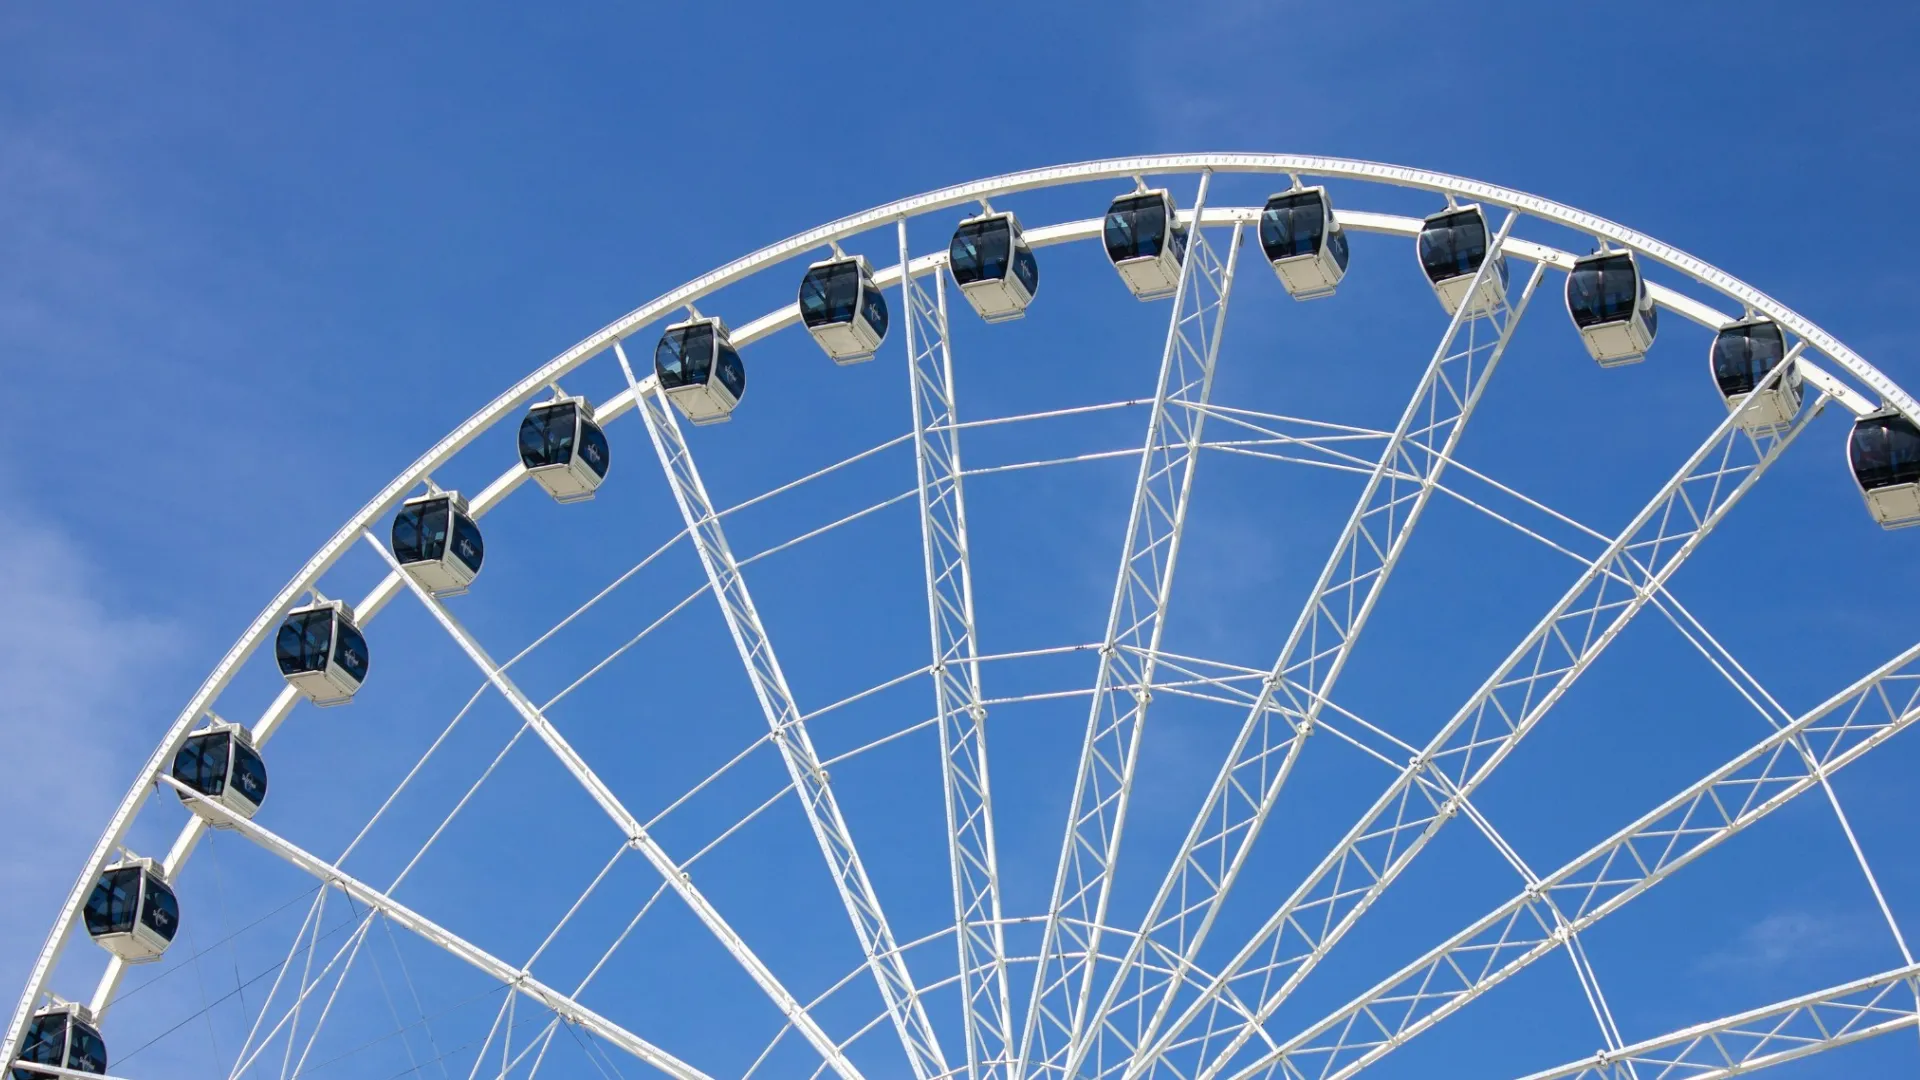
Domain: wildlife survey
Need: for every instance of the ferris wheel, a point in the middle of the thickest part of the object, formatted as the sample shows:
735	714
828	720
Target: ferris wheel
670	833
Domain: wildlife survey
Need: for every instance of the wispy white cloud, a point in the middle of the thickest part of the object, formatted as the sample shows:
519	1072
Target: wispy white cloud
71	669
1783	939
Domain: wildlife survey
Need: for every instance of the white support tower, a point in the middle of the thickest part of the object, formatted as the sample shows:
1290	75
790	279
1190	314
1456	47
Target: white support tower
1538	920
978	926
1759	1038
1329	623
1070	945
1516	696
889	968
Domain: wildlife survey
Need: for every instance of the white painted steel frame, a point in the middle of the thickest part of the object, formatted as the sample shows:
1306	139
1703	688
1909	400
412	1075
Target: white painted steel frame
1330	622
1759	1038
521	980
979	934
673	874
1514	698
523	391
809	778
1097	810
1496	946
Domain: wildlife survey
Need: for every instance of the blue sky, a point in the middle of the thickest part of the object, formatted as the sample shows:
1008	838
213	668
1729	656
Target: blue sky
252	264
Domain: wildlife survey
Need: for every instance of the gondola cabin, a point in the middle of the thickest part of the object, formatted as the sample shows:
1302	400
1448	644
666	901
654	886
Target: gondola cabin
1611	307
563	448
1884	452
700	371
1306	246
220	763
995	269
1453	244
132	912
1146	242
437	543
1742	355
65	1037
843	309
322	653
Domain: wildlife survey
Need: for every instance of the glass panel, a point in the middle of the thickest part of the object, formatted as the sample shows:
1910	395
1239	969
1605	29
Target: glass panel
1742	356
46	1043
1884	451
1292	225
546	436
980	250
1136	227
249	775
873	307
1337	243
350	652
303	641
1603	290
685	356
420	531
161	912
86	1052
467	546
829	294
593	447
1452	245
1027	269
201	763
733	373
110	909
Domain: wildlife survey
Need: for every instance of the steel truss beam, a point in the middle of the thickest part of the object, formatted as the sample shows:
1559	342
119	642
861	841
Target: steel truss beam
636	833
987	1006
1063	983
789	732
1753	1040
1336	610
521	980
1539	919
1515	697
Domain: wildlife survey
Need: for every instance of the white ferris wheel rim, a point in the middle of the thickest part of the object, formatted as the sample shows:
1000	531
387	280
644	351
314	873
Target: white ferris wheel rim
1752	300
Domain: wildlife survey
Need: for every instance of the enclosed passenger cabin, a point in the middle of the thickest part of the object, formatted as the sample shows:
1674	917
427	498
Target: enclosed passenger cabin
1884	452
1306	246
563	448
1146	242
844	310
132	912
1611	307
1742	355
1453	243
62	1036
700	371
321	652
221	763
995	269
437	543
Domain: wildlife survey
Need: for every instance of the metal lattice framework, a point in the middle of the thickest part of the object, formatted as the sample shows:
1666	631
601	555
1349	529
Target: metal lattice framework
1071	990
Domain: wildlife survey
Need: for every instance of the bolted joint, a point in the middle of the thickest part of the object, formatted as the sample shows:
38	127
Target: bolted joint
978	712
1143	696
1450	808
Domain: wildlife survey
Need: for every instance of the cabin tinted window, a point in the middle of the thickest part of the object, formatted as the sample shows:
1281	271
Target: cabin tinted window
1027	269
85	1051
467	546
1136	227
733	373
1337	243
829	294
110	909
980	250
1292	225
46	1043
420	531
303	641
546	436
1742	356
1452	245
593	447
684	357
1603	290
161	912
873	308
201	763
1884	451
249	775
350	652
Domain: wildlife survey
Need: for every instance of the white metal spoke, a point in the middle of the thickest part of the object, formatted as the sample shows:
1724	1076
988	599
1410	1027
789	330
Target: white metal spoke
986	1005
1771	1035
519	979
789	731
1515	697
637	835
1057	1011
1592	886
1330	622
